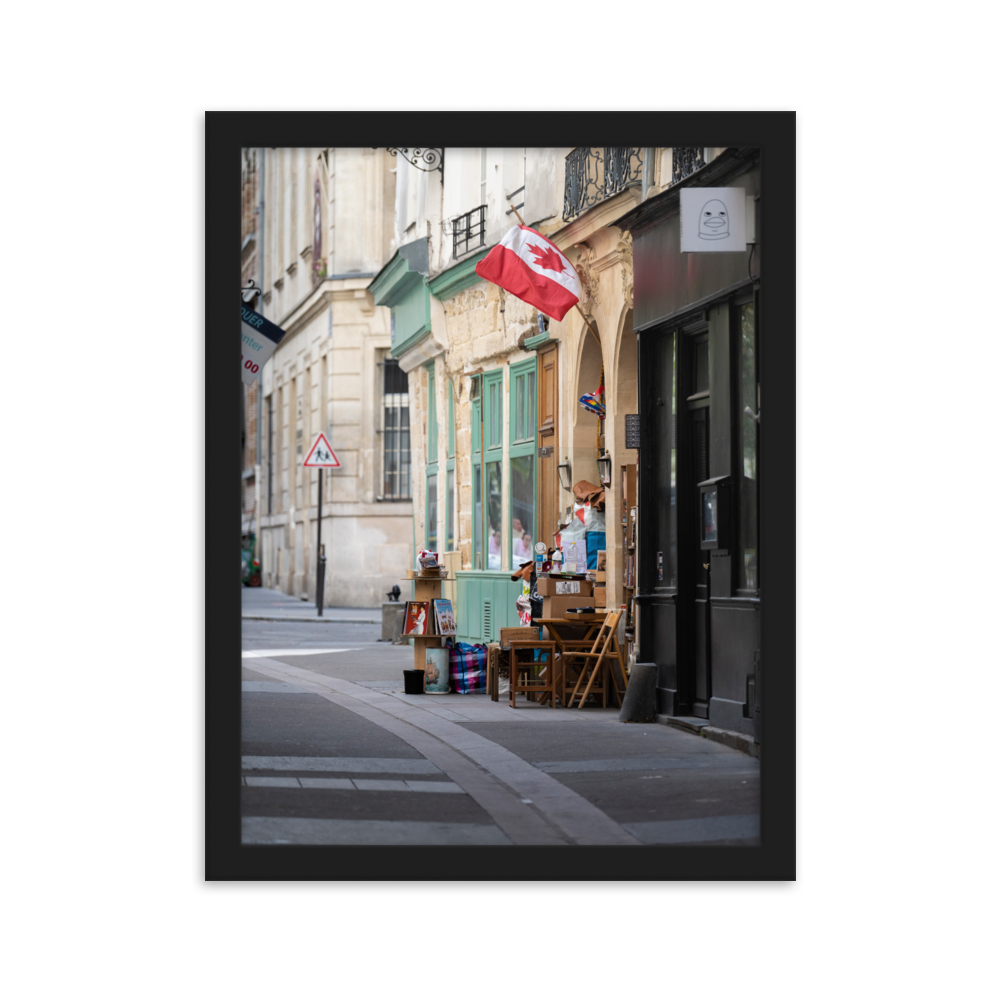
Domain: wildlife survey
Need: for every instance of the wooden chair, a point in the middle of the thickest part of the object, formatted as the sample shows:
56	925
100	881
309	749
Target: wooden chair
498	655
595	662
534	676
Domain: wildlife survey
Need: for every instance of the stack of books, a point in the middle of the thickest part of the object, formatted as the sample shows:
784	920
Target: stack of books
429	618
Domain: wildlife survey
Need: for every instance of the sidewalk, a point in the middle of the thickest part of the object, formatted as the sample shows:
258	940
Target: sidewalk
263	605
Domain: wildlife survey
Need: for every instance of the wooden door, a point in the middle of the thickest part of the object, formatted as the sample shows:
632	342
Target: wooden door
548	442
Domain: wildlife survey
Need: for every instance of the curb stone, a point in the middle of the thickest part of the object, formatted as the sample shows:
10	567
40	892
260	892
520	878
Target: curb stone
738	741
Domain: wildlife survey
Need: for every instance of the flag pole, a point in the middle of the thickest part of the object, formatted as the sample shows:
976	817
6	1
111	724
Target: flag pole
577	305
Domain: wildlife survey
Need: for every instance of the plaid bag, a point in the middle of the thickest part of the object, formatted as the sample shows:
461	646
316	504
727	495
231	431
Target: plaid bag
467	666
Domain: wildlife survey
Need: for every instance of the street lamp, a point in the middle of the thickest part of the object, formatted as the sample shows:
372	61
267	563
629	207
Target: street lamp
604	469
564	472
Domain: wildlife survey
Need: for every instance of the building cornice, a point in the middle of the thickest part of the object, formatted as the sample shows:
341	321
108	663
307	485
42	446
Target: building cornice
327	291
457	278
595	218
424	350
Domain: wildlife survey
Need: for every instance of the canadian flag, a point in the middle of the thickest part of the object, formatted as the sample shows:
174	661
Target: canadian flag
534	270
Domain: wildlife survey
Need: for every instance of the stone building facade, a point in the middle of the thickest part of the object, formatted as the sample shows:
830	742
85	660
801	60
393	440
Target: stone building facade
325	227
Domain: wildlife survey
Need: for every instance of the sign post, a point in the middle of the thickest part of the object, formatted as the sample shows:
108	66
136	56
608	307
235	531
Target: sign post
320	456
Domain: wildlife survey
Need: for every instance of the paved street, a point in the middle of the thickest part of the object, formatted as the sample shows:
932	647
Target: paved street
335	753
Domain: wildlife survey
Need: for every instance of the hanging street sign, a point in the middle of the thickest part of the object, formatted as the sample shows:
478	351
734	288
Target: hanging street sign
714	220
321	455
260	338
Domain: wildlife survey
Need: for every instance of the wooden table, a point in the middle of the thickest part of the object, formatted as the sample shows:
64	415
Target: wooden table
556	626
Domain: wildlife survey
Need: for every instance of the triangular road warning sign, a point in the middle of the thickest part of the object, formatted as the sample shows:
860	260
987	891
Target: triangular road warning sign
321	455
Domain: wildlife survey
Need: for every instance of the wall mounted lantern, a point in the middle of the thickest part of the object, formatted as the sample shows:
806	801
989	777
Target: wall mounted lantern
564	473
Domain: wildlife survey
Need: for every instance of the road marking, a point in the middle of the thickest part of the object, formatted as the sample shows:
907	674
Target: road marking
699	761
493	776
299	830
355	784
379	785
253	654
340	783
272	687
690	831
365	765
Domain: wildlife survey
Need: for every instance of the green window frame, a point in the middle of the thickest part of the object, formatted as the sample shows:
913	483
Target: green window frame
431	470
450	485
477	484
522	484
487	523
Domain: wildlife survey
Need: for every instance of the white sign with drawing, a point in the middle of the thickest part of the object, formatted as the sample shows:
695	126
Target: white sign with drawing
321	455
713	220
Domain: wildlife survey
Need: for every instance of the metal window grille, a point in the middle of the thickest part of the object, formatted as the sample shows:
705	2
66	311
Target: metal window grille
594	175
469	232
395	432
687	159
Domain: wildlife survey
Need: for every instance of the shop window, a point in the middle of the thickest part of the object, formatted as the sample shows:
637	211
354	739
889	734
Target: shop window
450	475
749	401
430	533
523	459
395	432
487	528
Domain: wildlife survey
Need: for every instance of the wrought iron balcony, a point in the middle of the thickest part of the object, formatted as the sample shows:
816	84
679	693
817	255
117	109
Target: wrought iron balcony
469	232
687	159
594	175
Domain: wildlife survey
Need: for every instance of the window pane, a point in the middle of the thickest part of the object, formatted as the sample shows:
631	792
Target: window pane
519	408
450	513
522	508
494	431
432	424
477	519
494	484
748	398
530	423
432	513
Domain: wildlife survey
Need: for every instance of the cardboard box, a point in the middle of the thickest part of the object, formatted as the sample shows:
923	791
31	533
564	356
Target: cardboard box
602	576
549	586
600	597
556	607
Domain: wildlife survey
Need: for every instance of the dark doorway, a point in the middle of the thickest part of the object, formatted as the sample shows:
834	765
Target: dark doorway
694	625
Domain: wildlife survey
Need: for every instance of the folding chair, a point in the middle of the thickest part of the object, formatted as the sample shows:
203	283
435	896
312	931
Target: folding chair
593	663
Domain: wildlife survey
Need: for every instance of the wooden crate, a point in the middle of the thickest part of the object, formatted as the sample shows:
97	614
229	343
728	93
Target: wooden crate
518	632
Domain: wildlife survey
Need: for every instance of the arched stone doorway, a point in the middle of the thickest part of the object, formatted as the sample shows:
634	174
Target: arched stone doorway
586	425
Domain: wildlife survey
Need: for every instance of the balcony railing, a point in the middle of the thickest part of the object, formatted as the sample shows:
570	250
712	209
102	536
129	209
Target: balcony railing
594	175
469	232
687	159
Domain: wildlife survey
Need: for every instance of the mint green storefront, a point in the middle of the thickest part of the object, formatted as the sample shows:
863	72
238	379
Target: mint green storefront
484	596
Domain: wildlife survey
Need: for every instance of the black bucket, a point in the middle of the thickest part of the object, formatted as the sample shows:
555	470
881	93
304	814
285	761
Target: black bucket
413	681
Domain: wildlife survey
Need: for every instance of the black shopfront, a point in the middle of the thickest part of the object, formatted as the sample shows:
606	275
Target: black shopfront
697	321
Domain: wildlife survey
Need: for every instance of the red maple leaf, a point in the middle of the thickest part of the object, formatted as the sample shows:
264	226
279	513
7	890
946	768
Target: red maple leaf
547	258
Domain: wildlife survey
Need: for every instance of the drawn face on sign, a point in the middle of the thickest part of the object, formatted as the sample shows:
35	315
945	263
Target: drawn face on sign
713	223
